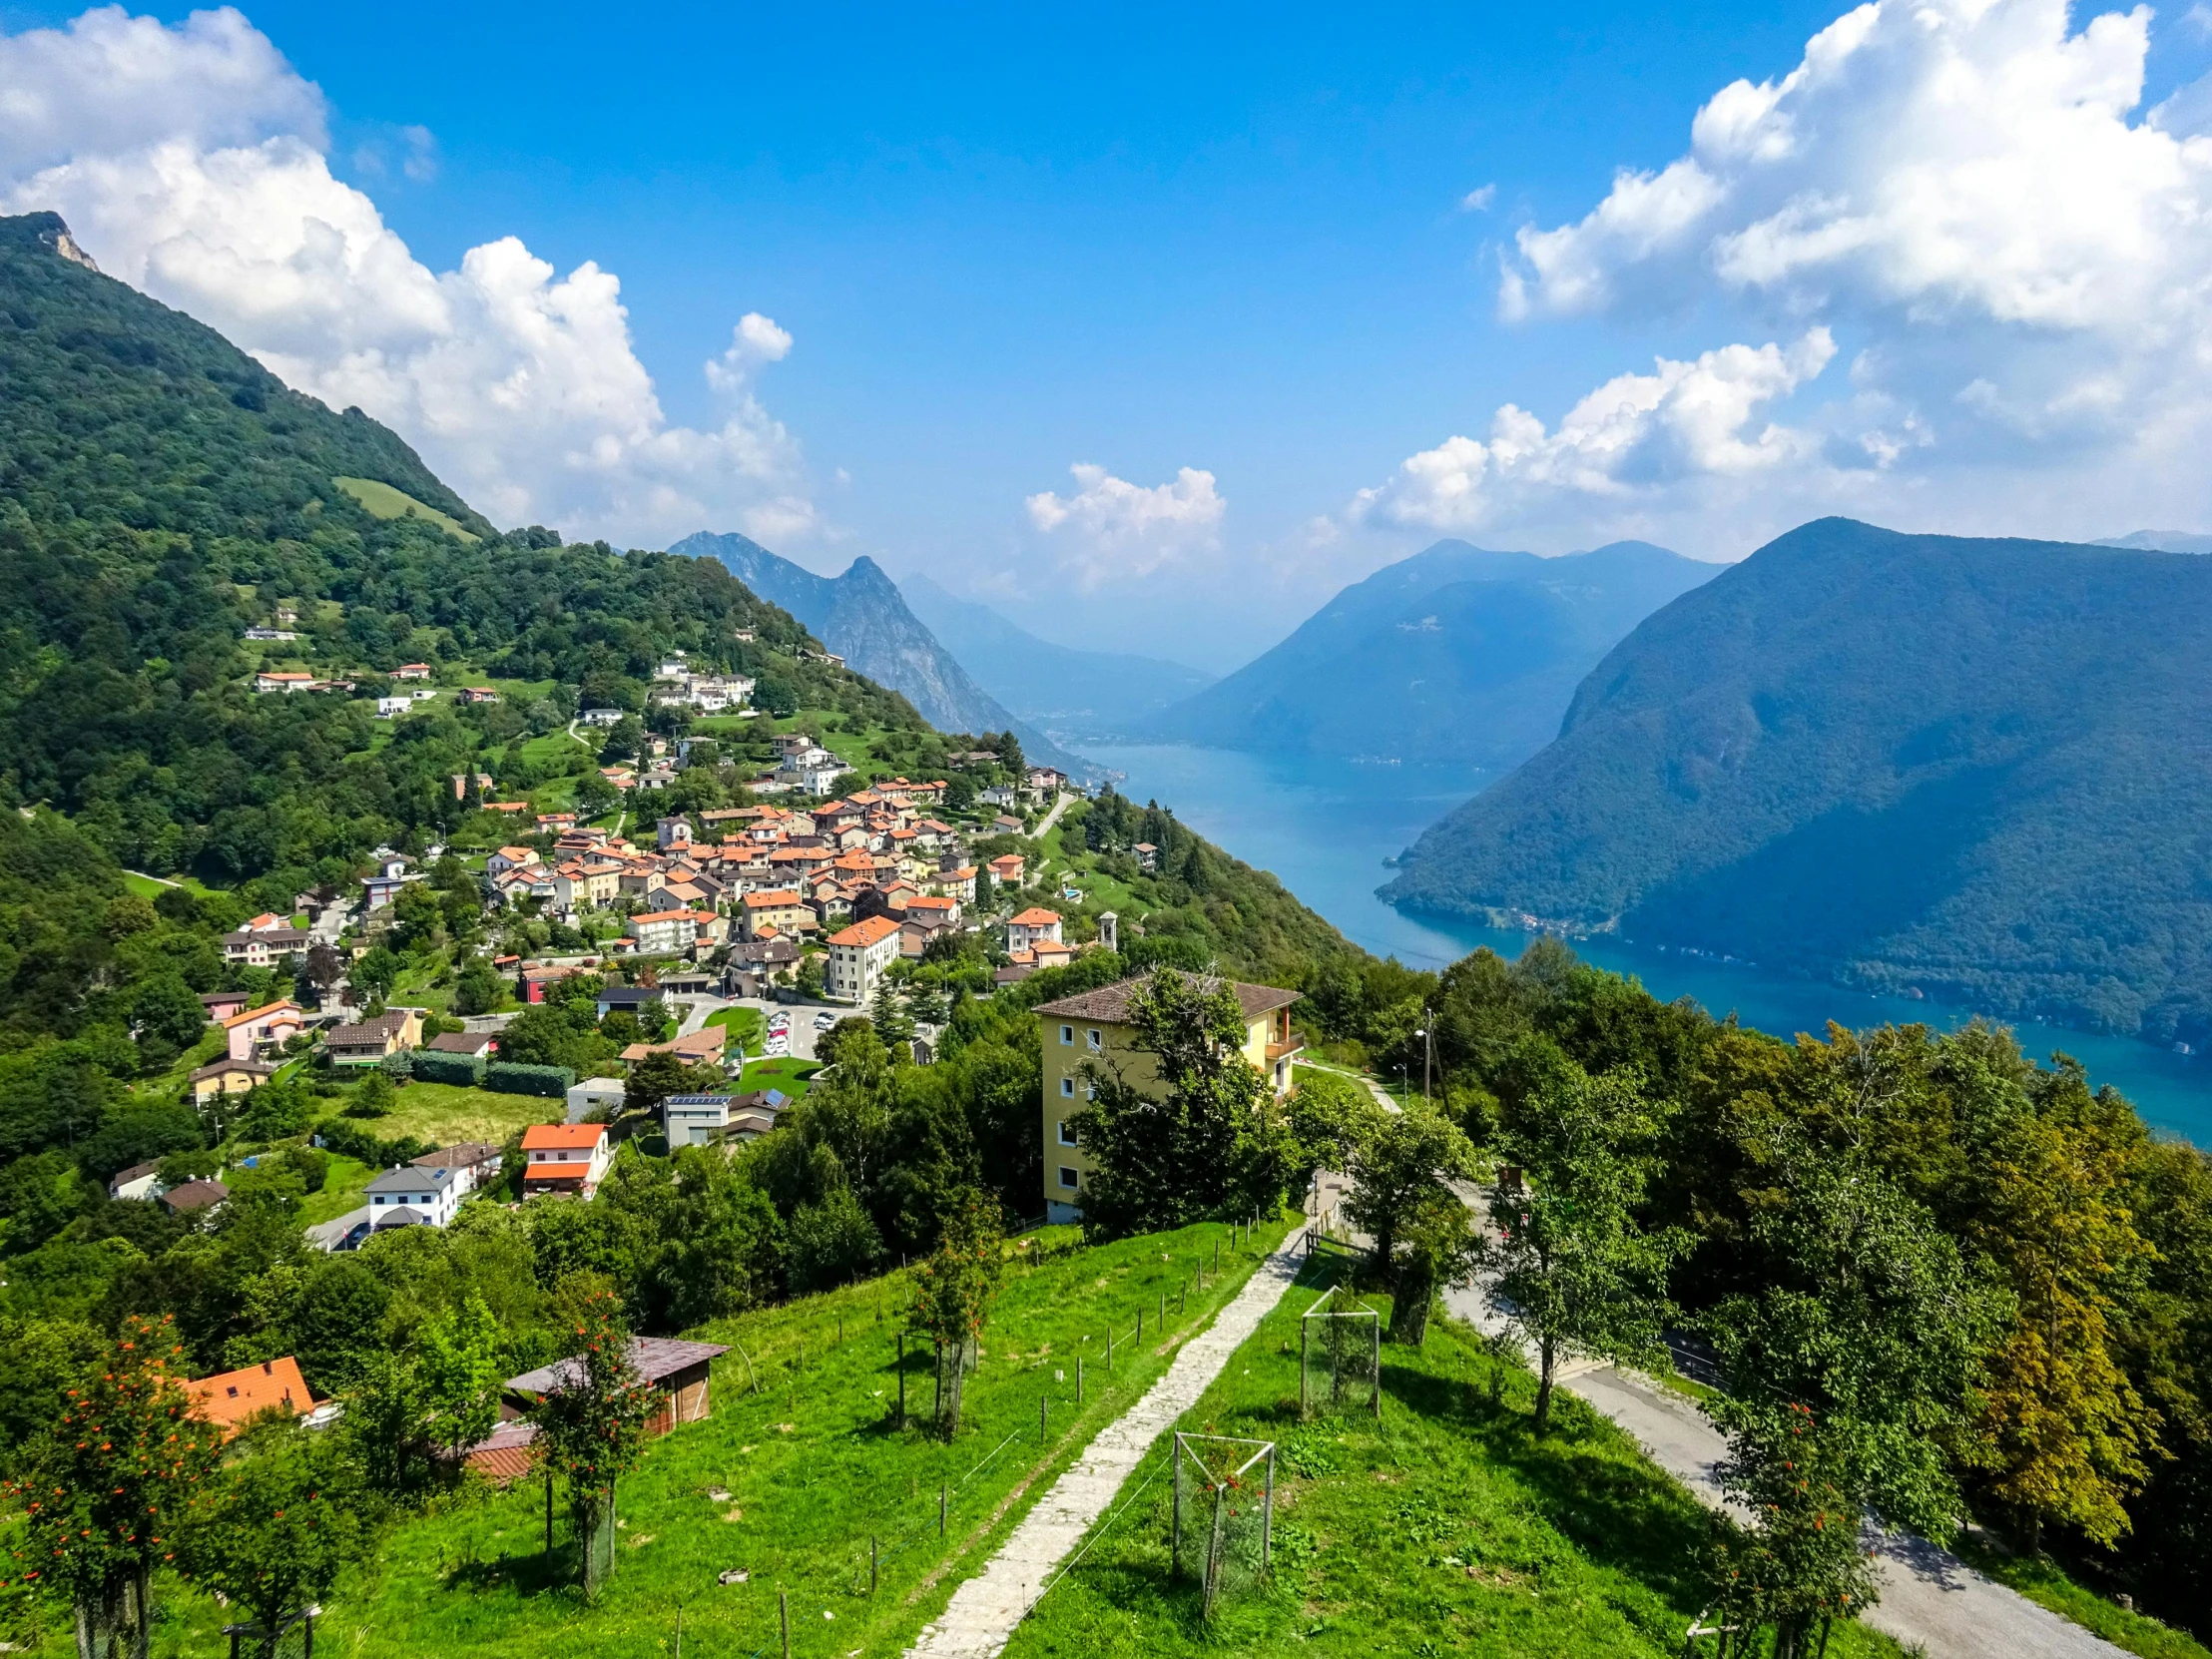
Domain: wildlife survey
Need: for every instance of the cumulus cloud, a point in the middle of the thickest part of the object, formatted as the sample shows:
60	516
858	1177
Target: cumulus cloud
1111	527
207	184
1968	197
1634	434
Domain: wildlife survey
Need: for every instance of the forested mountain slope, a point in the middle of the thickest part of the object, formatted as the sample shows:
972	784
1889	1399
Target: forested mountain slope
1982	768
1455	655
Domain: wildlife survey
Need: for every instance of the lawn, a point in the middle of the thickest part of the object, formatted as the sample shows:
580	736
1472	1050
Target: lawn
1444	1527
341	1192
790	1482
745	1026
443	1113
789	1074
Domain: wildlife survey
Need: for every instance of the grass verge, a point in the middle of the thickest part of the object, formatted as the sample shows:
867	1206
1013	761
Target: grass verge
443	1113
2046	1584
1445	1526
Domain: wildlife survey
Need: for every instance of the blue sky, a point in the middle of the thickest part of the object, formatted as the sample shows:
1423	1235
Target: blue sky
1235	240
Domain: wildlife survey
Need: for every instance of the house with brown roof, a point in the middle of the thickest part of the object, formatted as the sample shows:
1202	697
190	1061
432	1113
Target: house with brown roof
1093	1029
194	1197
470	1045
230	1398
213	1082
373	1041
702	1047
1006	869
677	1371
284	681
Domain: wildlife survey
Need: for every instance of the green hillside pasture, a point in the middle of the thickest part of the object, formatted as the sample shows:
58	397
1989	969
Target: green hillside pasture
382	501
811	1467
1445	1528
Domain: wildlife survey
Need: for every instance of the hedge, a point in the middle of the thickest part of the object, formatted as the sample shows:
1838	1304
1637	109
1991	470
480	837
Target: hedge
502	1077
432	1066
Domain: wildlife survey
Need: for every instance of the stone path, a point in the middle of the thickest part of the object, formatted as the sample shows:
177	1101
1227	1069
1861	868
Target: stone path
983	1611
1930	1598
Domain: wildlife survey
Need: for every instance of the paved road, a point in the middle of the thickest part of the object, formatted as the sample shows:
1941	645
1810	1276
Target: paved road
983	1611
1929	1596
1059	805
699	1009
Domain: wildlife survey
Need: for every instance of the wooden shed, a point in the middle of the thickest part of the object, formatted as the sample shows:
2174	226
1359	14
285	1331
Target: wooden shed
676	1370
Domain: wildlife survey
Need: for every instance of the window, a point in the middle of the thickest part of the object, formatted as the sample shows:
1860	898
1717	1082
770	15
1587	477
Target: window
1097	1040
1067	1036
1067	1178
1067	1088
1067	1133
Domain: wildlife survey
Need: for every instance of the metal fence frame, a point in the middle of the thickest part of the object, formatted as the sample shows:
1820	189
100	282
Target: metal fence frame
1221	1488
1305	1404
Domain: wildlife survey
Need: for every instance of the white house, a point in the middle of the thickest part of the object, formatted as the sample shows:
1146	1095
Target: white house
1034	926
601	717
391	707
472	1163
858	955
391	874
563	1158
695	1119
411	1196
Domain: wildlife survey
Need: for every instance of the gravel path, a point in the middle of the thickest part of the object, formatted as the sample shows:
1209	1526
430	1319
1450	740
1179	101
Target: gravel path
983	1611
1930	1598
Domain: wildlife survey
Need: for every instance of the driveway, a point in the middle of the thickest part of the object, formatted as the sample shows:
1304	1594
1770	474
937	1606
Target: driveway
324	1235
699	1009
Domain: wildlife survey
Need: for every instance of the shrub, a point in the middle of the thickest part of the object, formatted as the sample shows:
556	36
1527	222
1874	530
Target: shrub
467	1070
505	1077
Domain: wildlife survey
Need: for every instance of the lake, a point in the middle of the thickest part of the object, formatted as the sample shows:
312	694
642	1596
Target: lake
1325	829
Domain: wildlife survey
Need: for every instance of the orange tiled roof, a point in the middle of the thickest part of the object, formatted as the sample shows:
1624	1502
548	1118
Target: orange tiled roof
549	1137
230	1398
864	933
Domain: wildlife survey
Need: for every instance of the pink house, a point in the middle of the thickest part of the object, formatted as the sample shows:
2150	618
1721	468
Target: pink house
256	1031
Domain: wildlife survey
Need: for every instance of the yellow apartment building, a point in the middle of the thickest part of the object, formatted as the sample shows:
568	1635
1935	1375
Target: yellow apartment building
1094	1026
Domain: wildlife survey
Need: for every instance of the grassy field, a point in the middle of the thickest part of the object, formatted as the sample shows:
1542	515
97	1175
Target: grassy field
383	501
789	1482
443	1113
1446	1528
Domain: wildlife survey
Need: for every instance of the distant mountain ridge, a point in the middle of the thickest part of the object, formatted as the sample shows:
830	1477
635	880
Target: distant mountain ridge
1978	768
1072	694
1458	654
2160	541
864	618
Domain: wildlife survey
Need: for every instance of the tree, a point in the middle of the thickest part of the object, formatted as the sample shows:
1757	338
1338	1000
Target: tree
165	1008
1866	1318
591	1429
1202	1137
954	1287
289	1515
2062	1428
376	973
1799	1566
324	968
106	1486
476	991
889	1016
661	1074
461	1374
595	797
1328	1116
1423	1239
832	1242
1572	1265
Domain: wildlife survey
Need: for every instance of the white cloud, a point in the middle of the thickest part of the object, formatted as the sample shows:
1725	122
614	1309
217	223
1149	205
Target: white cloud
1637	434
1479	200
1965	193
1111	527
206	185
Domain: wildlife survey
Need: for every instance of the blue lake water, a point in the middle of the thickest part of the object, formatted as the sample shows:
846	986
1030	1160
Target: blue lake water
1325	829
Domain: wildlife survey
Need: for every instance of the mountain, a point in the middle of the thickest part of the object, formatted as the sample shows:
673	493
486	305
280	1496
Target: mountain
1098	695
1980	768
864	618
1453	654
2161	541
161	493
